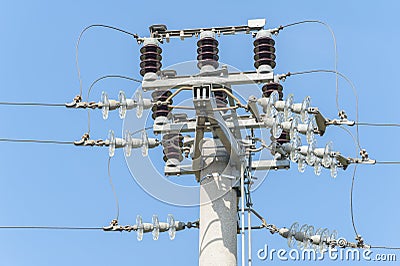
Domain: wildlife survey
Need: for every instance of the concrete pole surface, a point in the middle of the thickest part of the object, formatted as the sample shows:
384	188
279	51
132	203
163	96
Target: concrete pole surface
218	209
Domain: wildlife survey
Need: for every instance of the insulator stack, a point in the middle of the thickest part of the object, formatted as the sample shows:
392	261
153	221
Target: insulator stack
220	97
150	58
264	52
162	109
207	51
172	148
268	88
283	138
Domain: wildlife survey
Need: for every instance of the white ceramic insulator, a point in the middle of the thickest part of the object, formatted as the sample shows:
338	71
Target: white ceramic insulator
299	236
153	142
319	152
147	227
147	104
284	232
316	239
286	125
303	150
269	122
263	102
130	104
119	143
164	227
280	105
113	104
296	108
302	128
287	147
136	143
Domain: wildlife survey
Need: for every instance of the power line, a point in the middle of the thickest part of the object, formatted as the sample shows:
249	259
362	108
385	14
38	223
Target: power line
345	78
50	227
384	247
351	200
376	162
140	130
118	76
79	39
60	142
378	124
352	181
113	188
334	45
387	162
357	144
36	141
110	76
33	104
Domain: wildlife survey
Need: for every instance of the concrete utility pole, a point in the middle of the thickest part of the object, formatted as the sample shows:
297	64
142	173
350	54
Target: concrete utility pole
218	210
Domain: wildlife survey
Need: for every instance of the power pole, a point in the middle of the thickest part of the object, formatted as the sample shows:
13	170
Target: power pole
219	162
220	151
218	209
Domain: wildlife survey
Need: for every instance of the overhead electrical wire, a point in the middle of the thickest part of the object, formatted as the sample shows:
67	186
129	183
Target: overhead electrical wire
385	247
79	40
36	141
357	144
110	76
378	124
50	227
351	200
335	71
113	188
61	142
387	162
33	104
352	191
334	45
346	79
337	74
352	180
140	130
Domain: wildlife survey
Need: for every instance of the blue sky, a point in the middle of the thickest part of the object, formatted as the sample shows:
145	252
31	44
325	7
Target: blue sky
67	185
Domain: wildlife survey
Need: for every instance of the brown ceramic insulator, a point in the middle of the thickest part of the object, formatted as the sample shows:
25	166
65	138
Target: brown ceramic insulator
264	52
207	52
172	146
163	109
268	88
150	59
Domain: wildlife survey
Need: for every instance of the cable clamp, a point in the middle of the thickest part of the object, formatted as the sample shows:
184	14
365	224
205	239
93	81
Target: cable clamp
77	99
83	139
271	227
195	224
115	227
342	114
282	77
276	30
338	122
86	141
361	161
364	155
